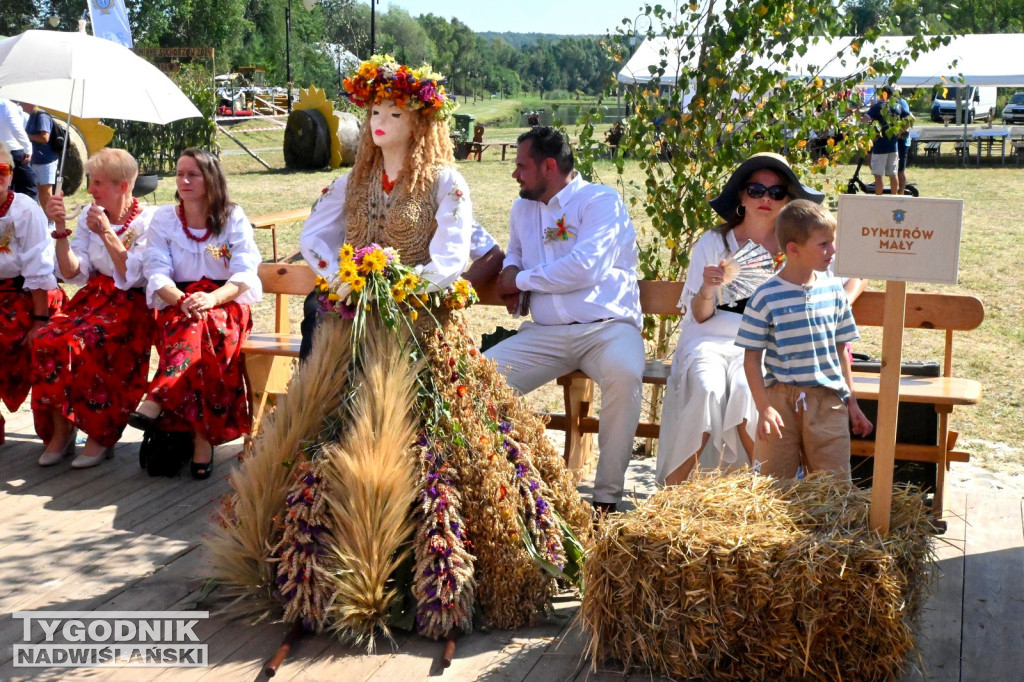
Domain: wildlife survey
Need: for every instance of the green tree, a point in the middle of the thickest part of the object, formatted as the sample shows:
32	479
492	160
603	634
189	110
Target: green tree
17	16
347	22
405	38
723	89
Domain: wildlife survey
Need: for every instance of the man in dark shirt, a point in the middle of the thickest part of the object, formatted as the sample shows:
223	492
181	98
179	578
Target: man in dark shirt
884	158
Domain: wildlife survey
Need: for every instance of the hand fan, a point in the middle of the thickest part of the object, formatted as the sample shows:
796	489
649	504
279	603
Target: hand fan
75	212
745	271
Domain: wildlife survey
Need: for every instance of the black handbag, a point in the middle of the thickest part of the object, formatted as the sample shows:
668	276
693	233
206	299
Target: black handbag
163	453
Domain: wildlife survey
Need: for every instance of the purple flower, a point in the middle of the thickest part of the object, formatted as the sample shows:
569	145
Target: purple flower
428	91
505	426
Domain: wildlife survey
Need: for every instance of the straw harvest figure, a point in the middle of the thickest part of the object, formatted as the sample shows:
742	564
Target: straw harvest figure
400	481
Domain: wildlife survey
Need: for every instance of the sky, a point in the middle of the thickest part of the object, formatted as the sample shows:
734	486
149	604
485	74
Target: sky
566	17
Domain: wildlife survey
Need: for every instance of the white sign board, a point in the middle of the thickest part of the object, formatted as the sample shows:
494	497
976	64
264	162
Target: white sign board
900	238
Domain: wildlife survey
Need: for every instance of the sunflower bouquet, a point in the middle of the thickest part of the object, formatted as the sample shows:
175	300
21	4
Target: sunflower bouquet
374	276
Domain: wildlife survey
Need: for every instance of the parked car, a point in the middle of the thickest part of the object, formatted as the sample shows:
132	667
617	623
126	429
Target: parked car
1013	112
978	103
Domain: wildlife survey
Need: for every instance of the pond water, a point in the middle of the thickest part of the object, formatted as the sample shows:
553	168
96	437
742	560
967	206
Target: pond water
566	113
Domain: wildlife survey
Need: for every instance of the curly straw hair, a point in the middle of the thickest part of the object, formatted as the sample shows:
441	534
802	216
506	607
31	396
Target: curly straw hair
431	147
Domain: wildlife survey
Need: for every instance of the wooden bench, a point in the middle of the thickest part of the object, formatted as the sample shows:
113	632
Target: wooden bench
933	149
945	312
270	221
269	356
1018	150
477	148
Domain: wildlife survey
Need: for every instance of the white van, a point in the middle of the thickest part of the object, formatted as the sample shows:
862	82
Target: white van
978	102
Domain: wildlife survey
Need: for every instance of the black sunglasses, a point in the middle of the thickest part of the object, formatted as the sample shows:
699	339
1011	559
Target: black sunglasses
755	190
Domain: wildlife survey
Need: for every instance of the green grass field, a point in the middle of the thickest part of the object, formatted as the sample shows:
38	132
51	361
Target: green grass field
992	252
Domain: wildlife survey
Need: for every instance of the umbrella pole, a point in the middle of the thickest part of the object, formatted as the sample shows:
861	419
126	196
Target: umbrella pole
67	141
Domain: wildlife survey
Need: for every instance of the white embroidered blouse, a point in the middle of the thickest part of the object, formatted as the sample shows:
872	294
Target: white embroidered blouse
170	256
26	249
324	231
94	258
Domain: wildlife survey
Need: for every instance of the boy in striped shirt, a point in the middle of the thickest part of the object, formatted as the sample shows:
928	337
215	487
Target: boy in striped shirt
799	322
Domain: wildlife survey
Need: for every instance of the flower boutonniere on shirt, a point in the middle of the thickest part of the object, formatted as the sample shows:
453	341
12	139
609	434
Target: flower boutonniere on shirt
129	237
6	234
220	252
559	232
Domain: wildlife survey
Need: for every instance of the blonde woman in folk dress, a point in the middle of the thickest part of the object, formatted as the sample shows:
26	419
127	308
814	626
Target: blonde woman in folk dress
200	264
708	412
92	358
29	294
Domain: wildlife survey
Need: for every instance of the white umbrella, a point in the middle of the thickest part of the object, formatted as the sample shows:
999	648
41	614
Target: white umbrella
88	77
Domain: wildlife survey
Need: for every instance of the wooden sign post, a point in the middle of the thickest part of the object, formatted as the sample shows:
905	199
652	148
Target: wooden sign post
897	239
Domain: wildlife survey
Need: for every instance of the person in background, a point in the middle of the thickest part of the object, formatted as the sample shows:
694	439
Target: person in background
92	358
29	294
19	146
44	158
884	157
903	144
200	264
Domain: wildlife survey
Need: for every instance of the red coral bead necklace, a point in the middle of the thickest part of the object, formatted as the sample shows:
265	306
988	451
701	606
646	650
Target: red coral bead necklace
7	203
132	213
184	226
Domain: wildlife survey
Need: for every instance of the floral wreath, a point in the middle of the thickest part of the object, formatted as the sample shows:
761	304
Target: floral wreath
381	77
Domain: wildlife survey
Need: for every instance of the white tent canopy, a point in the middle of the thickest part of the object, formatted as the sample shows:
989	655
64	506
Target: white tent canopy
982	59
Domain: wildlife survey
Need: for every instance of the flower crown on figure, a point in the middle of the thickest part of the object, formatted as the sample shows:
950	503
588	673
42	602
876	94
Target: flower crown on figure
381	77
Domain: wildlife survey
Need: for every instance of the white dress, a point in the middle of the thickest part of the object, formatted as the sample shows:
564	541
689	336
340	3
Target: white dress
707	391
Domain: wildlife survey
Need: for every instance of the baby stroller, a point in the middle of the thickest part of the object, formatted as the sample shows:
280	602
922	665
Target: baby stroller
857	185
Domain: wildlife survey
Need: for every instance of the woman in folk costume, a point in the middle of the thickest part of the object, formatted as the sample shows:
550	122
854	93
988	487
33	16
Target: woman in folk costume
400	481
200	263
92	358
29	294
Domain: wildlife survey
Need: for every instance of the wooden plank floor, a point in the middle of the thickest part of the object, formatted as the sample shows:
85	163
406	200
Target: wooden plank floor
112	538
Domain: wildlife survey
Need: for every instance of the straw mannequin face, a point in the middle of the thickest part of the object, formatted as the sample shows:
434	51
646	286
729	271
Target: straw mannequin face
390	125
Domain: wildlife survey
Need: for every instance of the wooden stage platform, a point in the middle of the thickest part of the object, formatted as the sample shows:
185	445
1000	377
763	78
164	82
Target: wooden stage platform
113	539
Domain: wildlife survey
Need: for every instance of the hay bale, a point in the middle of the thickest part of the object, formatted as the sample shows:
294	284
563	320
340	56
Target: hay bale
349	127
73	170
739	577
307	143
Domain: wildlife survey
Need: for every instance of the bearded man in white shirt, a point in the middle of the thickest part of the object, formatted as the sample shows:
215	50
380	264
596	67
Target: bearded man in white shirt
572	256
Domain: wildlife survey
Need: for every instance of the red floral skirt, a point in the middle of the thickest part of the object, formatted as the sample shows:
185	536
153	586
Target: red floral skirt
16	311
92	361
201	382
